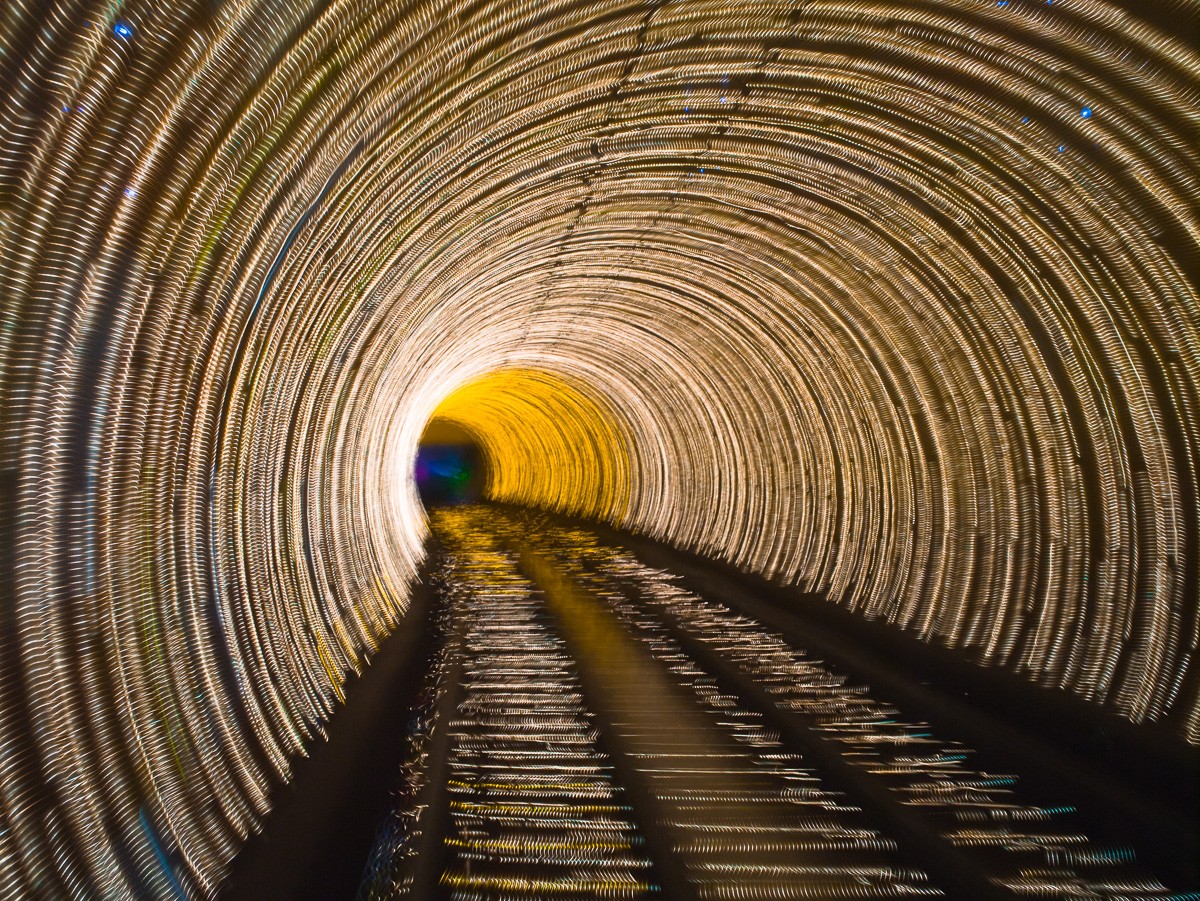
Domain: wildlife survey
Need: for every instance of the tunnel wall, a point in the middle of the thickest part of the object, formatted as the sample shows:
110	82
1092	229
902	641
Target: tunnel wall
891	300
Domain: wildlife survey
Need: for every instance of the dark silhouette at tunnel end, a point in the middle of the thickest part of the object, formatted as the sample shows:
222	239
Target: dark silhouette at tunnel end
450	468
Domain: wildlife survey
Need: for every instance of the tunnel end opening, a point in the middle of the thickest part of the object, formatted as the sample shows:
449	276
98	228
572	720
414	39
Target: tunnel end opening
451	468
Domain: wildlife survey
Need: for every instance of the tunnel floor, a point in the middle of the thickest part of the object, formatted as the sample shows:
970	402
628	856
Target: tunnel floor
586	725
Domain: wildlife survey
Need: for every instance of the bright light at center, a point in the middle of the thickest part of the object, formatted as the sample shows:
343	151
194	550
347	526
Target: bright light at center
547	441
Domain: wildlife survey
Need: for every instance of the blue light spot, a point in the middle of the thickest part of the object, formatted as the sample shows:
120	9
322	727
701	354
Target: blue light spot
1085	113
1062	148
123	30
66	109
1002	3
1024	120
163	861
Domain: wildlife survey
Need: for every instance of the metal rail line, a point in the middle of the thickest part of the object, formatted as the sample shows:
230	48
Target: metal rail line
600	731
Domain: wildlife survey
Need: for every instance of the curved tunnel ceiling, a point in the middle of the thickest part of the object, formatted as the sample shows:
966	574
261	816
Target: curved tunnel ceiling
891	300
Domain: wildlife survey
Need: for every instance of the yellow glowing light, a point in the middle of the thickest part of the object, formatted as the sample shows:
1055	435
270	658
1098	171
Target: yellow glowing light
547	442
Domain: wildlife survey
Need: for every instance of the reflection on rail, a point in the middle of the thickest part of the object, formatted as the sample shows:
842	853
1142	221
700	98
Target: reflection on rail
533	807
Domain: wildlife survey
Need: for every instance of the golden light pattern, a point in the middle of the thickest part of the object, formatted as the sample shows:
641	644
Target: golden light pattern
896	300
546	442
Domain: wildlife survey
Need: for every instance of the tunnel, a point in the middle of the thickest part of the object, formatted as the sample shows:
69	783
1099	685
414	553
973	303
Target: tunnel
626	449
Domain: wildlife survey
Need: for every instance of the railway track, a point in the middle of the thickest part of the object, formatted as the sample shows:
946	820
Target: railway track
592	729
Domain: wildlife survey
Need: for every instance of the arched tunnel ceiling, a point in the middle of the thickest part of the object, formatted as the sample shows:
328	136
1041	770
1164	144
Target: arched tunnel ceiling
893	300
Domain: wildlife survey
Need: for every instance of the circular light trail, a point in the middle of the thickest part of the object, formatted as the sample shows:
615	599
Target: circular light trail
853	293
